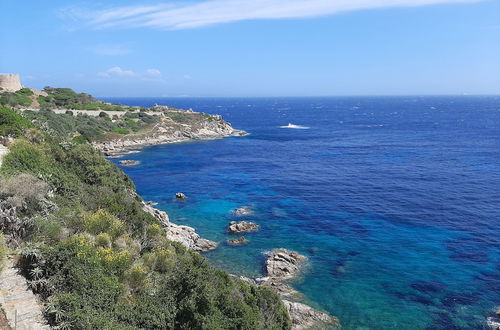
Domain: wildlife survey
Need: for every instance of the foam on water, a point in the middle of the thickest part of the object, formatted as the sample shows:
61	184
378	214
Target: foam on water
395	205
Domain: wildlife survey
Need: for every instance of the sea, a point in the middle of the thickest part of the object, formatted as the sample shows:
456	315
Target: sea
395	201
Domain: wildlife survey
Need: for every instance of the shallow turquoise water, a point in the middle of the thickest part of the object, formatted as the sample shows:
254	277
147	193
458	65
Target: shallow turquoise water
395	201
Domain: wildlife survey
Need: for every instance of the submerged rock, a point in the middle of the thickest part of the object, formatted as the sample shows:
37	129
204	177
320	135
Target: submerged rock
128	162
243	211
237	241
241	227
180	195
306	317
283	264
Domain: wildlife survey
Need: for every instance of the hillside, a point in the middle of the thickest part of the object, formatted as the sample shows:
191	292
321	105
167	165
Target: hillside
95	256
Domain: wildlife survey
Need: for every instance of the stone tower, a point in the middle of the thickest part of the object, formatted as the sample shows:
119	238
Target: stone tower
10	82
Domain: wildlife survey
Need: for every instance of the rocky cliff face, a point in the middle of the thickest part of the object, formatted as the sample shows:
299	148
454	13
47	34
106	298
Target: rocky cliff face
173	126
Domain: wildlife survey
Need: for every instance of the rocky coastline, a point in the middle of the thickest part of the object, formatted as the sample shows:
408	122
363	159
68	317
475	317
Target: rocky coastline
281	266
198	126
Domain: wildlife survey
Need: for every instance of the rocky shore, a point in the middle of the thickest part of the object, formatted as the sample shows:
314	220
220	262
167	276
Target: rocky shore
281	266
194	126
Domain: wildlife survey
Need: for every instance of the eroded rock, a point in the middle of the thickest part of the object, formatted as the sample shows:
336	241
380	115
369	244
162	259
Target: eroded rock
283	264
237	241
129	162
241	227
306	317
180	195
185	235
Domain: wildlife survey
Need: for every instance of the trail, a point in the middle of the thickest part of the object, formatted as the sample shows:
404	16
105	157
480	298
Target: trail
21	306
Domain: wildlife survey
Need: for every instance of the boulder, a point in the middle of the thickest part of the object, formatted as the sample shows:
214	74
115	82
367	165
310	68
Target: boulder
180	195
128	162
305	317
241	227
237	241
283	264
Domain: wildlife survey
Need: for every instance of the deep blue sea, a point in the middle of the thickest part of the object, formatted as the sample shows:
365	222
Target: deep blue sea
394	200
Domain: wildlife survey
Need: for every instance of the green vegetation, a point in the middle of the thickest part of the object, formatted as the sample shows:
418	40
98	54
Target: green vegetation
83	127
95	257
69	99
12	123
22	97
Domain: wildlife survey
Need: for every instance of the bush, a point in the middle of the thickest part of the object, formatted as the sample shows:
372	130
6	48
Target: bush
12	123
120	130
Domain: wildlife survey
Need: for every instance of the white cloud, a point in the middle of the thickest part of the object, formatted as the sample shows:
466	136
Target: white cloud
110	50
116	71
193	15
153	72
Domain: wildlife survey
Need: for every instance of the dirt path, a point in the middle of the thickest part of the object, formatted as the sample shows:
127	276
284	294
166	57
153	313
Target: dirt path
21	306
3	151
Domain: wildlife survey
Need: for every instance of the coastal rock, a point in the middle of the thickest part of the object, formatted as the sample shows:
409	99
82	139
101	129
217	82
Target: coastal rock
283	289
243	211
189	238
497	311
128	162
305	317
283	264
237	241
185	235
180	195
241	227
493	323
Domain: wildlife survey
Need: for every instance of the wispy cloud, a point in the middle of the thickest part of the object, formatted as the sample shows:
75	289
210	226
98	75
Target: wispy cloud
192	15
118	72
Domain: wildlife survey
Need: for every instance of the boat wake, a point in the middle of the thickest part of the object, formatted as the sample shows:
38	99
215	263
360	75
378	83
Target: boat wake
290	125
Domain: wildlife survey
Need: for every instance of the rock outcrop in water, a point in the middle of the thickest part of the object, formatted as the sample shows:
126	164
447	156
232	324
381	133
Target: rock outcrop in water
283	265
306	317
241	227
237	241
128	162
185	235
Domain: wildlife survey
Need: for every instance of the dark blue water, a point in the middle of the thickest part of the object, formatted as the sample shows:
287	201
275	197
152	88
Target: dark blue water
395	201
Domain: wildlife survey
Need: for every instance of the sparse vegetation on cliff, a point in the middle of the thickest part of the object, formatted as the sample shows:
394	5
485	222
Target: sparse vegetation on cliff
22	97
96	258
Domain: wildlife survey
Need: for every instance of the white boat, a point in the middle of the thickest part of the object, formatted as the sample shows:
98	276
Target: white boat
290	125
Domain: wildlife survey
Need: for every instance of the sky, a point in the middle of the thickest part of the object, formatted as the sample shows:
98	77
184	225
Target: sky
234	48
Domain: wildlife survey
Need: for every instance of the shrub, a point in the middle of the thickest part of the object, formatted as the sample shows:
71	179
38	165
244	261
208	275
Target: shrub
120	130
103	222
12	123
103	240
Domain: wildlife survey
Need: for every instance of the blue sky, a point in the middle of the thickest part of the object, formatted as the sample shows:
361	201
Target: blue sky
254	47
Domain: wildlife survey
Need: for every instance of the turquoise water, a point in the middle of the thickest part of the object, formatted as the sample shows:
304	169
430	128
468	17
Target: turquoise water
395	201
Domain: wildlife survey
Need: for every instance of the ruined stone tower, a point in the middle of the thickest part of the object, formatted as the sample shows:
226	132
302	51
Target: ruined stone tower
10	82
